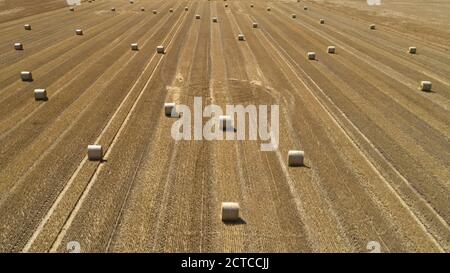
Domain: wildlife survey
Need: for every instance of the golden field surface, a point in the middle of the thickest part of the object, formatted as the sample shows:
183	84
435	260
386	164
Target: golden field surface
377	149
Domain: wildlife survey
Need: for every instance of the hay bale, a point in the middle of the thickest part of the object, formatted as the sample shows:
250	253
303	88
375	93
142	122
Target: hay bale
295	158
134	46
230	211
18	46
155	11
311	55
305	8
226	5
331	49
255	25
26	76
160	49
78	31
294	16
225	123
372	26
322	21
186	8
425	86
142	9
197	16
241	37
72	9
95	152
171	10
113	9
214	19
40	94
27	27
412	50
131	2
170	110
268	8
251	5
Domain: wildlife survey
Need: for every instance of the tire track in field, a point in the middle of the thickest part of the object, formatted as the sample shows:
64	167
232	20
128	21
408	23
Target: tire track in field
423	209
259	181
324	232
315	97
142	73
73	214
129	234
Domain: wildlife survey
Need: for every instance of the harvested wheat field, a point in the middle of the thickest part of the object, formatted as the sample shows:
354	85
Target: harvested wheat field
89	97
